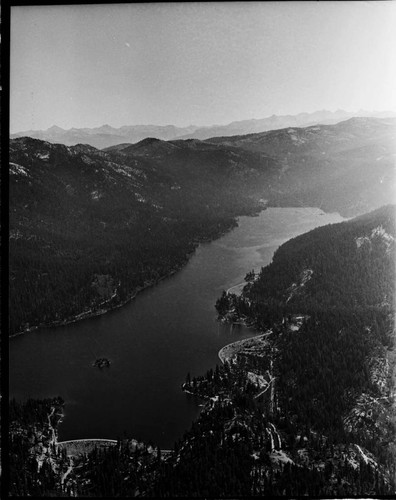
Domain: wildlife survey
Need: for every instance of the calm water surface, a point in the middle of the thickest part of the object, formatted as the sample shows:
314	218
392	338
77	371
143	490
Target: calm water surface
152	342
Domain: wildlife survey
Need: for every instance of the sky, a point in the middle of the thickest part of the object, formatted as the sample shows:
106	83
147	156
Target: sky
198	63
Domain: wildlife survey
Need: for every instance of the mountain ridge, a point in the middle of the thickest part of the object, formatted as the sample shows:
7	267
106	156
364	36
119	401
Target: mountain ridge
106	135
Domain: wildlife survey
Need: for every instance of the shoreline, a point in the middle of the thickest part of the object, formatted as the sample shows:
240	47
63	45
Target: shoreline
75	447
137	291
88	314
101	312
227	352
239	288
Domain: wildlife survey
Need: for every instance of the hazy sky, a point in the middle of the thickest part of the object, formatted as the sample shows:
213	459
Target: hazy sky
198	63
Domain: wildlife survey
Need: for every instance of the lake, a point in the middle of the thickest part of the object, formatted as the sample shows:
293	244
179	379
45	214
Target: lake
152	342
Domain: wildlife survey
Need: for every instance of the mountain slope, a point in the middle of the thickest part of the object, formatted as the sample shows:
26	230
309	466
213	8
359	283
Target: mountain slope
307	408
348	167
88	229
301	279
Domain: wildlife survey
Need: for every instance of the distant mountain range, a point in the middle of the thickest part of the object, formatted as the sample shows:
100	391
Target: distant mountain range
105	136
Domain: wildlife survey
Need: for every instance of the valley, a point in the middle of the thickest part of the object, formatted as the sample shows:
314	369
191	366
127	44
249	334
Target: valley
302	402
89	227
305	406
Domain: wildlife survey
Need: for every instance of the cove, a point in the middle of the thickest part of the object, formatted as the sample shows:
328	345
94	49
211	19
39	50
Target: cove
152	342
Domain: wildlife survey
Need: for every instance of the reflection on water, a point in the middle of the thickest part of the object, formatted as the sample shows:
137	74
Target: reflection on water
153	342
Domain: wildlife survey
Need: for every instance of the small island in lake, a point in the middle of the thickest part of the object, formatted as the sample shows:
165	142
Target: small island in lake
101	362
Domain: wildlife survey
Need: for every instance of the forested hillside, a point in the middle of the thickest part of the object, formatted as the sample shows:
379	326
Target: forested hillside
327	303
307	407
347	266
88	229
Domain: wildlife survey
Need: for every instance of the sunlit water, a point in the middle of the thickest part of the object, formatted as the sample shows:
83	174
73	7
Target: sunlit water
152	342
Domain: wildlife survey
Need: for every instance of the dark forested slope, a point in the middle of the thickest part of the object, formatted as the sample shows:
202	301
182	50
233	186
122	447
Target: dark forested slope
340	266
89	228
